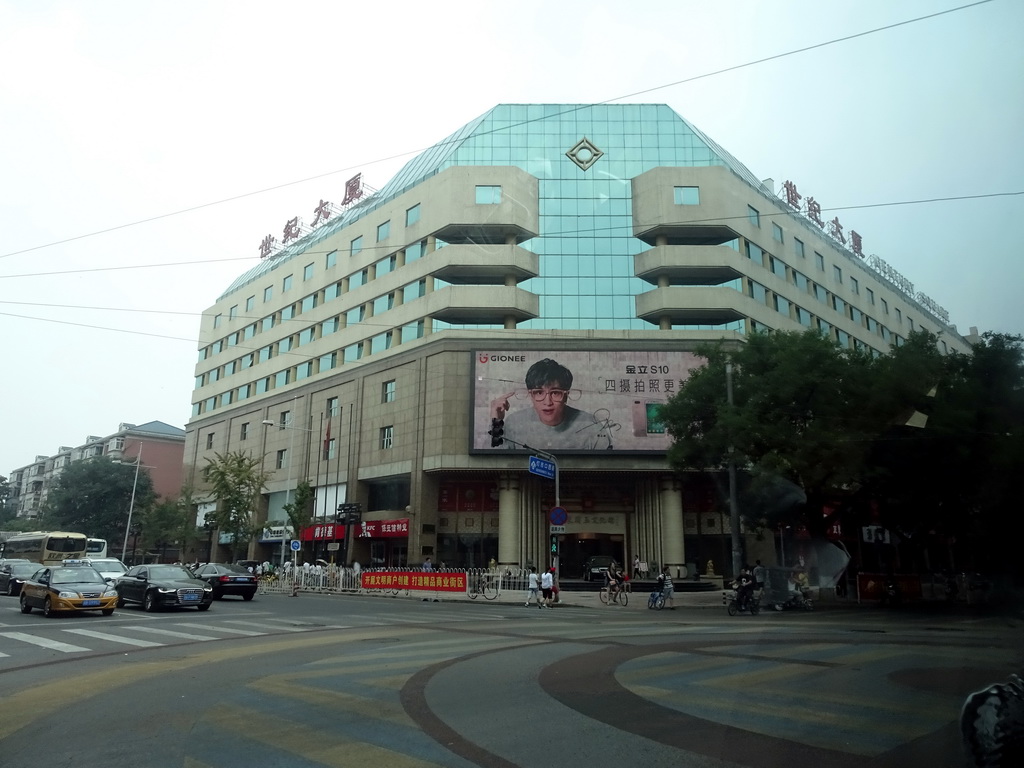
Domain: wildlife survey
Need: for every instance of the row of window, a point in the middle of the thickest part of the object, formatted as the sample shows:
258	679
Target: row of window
485	194
323	363
333	410
333	291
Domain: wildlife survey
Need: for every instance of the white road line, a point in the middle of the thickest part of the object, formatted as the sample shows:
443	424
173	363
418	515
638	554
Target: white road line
264	625
209	628
53	645
169	633
114	638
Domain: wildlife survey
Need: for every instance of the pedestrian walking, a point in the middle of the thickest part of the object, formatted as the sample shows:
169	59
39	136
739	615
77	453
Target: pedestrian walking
427	565
760	573
636	566
533	587
547	584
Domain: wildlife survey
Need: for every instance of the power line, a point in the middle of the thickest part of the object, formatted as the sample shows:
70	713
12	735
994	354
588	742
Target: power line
705	75
563	233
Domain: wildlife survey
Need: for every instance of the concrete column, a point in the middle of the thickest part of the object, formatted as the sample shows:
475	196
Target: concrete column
672	524
509	516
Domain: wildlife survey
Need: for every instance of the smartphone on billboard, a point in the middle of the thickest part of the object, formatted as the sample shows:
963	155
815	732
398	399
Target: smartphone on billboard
647	418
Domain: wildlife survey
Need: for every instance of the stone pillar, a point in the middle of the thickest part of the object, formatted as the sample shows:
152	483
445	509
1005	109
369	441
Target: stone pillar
509	517
672	524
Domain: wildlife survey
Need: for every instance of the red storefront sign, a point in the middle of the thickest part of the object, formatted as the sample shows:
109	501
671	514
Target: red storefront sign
414	580
369	529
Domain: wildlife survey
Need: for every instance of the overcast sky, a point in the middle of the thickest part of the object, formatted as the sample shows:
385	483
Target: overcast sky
147	148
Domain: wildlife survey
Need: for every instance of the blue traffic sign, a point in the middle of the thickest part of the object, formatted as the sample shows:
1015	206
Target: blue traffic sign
557	517
542	467
296	545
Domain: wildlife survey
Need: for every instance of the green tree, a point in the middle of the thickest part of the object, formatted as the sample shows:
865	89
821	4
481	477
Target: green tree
236	481
804	417
7	512
94	495
300	509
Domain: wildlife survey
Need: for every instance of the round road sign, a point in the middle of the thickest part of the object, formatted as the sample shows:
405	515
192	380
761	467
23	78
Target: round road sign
558	516
296	545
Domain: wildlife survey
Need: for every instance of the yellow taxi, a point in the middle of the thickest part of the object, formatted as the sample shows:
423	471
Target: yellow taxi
73	586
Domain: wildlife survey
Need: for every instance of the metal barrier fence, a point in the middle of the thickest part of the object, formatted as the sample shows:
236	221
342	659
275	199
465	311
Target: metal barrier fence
335	579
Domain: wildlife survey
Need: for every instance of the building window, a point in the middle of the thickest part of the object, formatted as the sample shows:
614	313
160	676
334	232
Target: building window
825	328
885	306
755	254
355	246
819	260
837	275
308	303
754	216
332	407
243	433
782	305
800	281
233	312
899	316
216	320
328	361
331	259
383	230
383	303
387	392
304	370
776	232
488	195
287	313
778	267
380	342
855	286
839	305
282	459
687	195
412	215
804	317
798	246
385	265
843	338
759	292
329	449
387	436
283	378
268	293
307	272
856	315
415	251
209	440
286	284
414	290
250	303
357	278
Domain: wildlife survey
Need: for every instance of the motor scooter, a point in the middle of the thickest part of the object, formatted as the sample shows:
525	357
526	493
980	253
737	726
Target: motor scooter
800	598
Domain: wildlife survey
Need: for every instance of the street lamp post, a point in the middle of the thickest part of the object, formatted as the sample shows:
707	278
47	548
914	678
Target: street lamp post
131	505
291	466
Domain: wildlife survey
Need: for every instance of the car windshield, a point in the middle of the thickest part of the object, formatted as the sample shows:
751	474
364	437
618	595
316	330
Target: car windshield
75	575
108	565
23	570
169	572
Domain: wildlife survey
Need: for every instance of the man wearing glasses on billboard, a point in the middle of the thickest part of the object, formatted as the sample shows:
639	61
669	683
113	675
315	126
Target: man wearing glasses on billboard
552	423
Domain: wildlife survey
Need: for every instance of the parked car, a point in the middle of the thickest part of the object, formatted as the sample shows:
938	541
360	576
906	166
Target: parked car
60	588
109	567
14	573
596	566
163	586
228	580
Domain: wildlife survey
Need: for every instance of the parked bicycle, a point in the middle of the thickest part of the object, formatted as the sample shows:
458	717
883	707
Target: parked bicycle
483	585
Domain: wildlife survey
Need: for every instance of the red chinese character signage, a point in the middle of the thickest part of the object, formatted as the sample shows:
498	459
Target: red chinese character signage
267	246
368	529
792	196
353	189
322	213
418	581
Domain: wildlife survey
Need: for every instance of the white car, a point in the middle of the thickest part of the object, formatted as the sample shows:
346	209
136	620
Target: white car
110	568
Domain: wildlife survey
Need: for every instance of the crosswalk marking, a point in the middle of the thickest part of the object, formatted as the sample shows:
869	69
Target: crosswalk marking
114	638
172	633
229	630
53	645
264	625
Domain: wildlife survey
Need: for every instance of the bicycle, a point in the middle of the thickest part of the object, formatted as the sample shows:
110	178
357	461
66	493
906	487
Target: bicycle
656	601
614	595
483	586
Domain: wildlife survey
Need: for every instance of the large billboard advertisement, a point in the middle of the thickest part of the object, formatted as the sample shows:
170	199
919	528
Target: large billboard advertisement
575	402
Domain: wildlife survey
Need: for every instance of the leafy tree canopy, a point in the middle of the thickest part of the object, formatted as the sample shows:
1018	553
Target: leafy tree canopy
236	481
93	496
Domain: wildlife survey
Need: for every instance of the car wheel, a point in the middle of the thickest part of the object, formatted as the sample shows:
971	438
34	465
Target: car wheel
249	596
205	607
107	611
120	602
11	591
25	607
149	602
47	608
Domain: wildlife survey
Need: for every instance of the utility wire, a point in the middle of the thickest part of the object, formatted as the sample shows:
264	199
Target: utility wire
284	185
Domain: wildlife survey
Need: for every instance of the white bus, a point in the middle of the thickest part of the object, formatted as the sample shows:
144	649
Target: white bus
46	547
95	547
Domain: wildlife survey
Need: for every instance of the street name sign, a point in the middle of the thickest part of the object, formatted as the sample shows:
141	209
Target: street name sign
542	467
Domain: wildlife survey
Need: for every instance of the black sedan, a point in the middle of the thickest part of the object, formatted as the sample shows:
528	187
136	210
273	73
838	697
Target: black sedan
14	573
163	586
228	580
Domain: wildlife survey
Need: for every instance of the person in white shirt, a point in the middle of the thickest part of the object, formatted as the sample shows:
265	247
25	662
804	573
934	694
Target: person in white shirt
547	585
533	587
